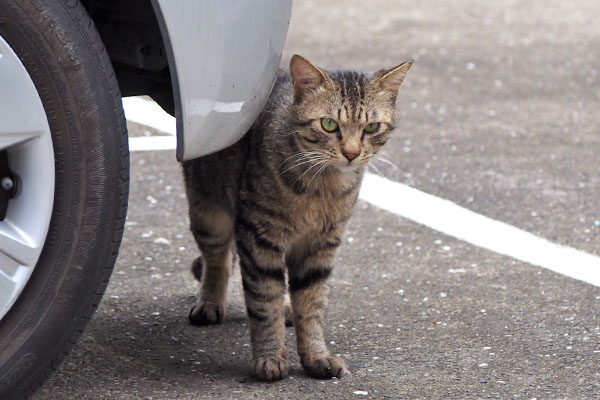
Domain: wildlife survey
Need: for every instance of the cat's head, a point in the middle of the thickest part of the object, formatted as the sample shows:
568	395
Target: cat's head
344	117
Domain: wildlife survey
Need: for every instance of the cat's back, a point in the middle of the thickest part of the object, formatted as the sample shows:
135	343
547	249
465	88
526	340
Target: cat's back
275	110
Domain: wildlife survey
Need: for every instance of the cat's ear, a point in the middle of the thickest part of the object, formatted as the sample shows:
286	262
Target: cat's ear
389	80
305	75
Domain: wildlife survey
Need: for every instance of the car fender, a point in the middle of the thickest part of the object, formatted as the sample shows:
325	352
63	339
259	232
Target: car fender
223	57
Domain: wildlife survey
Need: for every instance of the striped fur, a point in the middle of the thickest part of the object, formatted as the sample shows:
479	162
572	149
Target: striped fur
280	198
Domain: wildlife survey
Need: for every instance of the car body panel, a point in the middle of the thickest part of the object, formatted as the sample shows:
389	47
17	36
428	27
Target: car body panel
223	57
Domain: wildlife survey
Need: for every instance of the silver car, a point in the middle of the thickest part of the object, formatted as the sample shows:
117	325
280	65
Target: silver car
64	160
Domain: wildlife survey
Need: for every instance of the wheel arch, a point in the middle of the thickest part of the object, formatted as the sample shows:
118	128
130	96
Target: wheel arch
137	47
210	63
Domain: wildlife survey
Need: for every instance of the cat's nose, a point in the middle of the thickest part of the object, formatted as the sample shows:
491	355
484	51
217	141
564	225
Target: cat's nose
350	155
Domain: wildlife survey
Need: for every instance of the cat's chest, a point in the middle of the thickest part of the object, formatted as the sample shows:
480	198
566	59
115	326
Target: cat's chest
331	202
309	213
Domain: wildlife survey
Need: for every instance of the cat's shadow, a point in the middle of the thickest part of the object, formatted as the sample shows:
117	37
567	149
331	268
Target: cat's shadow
161	345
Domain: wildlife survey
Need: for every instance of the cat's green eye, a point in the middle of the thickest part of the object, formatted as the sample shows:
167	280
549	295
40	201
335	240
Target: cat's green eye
330	125
372	127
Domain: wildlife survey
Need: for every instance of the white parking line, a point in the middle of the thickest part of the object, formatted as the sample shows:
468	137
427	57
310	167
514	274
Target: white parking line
150	143
146	112
454	220
435	213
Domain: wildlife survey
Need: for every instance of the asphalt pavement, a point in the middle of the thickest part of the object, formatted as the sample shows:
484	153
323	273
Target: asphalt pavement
500	116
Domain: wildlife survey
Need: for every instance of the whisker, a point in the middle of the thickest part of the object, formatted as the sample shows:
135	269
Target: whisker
304	152
297	165
301	154
307	159
385	160
311	167
371	165
317	173
296	157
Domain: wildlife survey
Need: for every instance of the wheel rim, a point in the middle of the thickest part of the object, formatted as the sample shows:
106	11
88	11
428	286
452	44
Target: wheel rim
25	136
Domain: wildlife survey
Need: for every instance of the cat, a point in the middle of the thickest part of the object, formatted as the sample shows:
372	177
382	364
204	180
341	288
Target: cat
280	199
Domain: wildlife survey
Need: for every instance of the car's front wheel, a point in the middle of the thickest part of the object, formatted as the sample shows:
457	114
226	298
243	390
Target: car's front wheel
64	178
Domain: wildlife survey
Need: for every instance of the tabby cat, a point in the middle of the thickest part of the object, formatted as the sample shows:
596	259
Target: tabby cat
280	199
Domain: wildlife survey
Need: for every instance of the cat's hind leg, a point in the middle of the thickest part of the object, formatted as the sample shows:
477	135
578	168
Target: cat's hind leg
212	227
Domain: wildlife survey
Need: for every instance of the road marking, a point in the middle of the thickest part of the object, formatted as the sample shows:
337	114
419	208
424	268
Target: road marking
425	209
152	143
461	223
147	112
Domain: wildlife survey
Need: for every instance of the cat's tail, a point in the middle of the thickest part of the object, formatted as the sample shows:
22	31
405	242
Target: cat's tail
197	266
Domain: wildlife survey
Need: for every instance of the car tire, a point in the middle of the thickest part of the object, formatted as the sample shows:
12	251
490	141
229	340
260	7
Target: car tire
60	49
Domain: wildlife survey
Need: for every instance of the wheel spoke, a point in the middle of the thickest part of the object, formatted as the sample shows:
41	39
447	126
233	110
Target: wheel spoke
17	245
11	139
7	288
17	121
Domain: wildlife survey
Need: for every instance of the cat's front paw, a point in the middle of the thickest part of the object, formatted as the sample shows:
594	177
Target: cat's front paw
324	366
206	313
270	368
